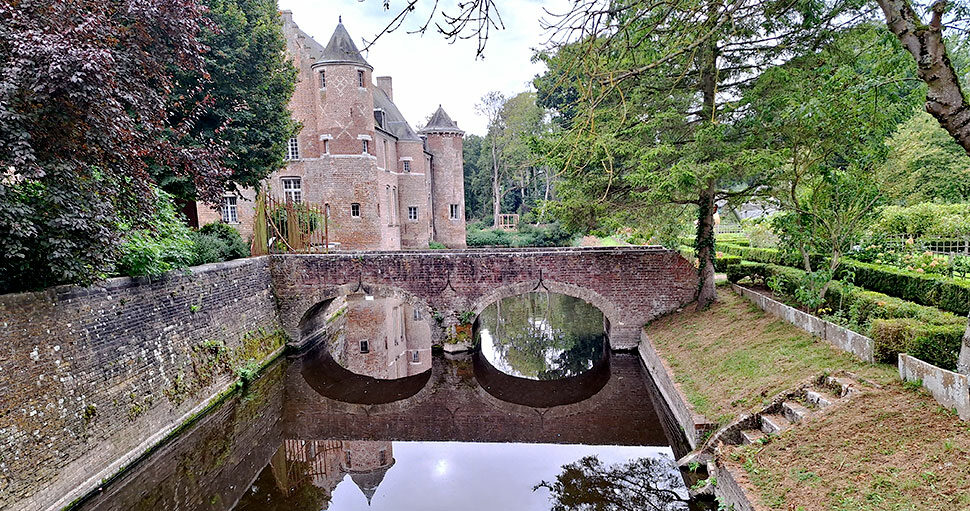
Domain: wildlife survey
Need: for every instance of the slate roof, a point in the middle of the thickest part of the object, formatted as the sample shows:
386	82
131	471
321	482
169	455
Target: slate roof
394	121
369	481
342	50
439	122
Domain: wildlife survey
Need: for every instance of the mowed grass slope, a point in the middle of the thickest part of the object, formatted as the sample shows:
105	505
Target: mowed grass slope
888	448
734	357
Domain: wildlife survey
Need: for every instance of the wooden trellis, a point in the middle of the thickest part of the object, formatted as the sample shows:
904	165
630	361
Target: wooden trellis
286	226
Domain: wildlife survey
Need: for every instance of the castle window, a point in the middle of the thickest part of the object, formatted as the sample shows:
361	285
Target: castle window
364	347
415	356
366	146
453	213
383	457
229	212
347	458
293	149
355	210
323	79
407	165
360	78
413	213
292	189
326	146
417	315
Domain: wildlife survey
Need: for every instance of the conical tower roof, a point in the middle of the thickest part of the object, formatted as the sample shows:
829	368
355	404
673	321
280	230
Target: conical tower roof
440	122
342	50
369	481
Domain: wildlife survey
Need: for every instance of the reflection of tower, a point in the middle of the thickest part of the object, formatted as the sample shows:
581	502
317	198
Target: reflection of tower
368	463
325	463
384	338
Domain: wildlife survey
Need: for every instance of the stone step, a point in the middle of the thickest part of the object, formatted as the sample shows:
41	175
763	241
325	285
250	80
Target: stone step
773	423
845	385
819	399
751	436
794	412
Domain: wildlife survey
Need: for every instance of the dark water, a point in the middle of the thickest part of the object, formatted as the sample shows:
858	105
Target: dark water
541	335
344	428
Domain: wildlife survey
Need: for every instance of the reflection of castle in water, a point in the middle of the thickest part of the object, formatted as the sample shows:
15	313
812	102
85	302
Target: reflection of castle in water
325	463
385	338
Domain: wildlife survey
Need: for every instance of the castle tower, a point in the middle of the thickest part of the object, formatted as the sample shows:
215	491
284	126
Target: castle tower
445	141
346	101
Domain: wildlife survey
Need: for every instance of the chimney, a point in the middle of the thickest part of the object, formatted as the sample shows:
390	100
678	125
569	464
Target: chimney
287	17
384	82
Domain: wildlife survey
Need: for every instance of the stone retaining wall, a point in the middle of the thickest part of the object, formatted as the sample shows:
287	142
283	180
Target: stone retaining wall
694	426
950	389
90	377
840	337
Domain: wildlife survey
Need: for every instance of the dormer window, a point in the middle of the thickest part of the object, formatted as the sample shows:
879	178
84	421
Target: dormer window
379	118
360	78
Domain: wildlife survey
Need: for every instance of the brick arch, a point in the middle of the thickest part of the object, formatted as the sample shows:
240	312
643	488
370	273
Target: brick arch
609	309
318	300
631	285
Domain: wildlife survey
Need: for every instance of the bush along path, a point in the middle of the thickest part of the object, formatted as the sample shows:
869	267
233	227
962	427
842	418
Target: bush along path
835	433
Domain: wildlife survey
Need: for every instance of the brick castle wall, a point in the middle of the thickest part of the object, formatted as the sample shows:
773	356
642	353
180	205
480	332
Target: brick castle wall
89	374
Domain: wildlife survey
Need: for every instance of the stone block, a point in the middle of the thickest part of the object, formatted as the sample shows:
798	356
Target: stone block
948	388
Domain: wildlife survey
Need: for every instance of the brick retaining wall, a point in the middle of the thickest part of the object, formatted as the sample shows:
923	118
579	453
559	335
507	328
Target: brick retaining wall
88	375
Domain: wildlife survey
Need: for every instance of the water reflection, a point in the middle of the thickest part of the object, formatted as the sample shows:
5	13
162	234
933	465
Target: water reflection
362	475
380	337
541	335
284	446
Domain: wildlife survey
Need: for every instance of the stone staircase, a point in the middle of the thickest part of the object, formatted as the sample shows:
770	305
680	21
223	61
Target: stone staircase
784	412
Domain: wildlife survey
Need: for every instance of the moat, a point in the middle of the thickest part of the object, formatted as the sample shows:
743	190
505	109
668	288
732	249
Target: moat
373	418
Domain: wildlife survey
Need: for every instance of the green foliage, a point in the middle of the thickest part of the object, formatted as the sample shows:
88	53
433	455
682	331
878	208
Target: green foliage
218	242
925	219
949	294
894	324
925	164
434	245
248	83
551	235
165	245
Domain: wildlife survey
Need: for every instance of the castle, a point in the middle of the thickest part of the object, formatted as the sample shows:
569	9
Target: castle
386	186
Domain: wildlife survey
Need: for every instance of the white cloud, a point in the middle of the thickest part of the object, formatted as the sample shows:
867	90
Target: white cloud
427	70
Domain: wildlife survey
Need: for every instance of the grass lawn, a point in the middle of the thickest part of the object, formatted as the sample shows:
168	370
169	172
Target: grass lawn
734	357
888	448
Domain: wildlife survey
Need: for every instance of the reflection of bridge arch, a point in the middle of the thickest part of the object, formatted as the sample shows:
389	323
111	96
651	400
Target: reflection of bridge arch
610	311
453	406
541	393
311	322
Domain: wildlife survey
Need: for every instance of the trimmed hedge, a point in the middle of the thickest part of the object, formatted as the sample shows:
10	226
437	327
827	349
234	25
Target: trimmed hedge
934	290
721	264
895	325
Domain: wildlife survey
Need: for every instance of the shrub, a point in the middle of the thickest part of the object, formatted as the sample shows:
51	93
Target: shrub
933	290
434	245
925	219
936	344
488	238
723	262
895	325
166	245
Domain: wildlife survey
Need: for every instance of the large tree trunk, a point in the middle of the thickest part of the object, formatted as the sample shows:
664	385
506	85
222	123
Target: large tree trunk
706	290
944	96
496	196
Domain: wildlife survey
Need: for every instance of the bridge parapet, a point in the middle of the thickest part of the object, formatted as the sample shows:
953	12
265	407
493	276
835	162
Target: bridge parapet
631	285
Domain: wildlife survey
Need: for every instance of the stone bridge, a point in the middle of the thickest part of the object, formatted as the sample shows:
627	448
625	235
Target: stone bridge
630	285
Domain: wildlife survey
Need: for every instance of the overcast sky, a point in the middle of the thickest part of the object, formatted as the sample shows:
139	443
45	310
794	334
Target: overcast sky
428	71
